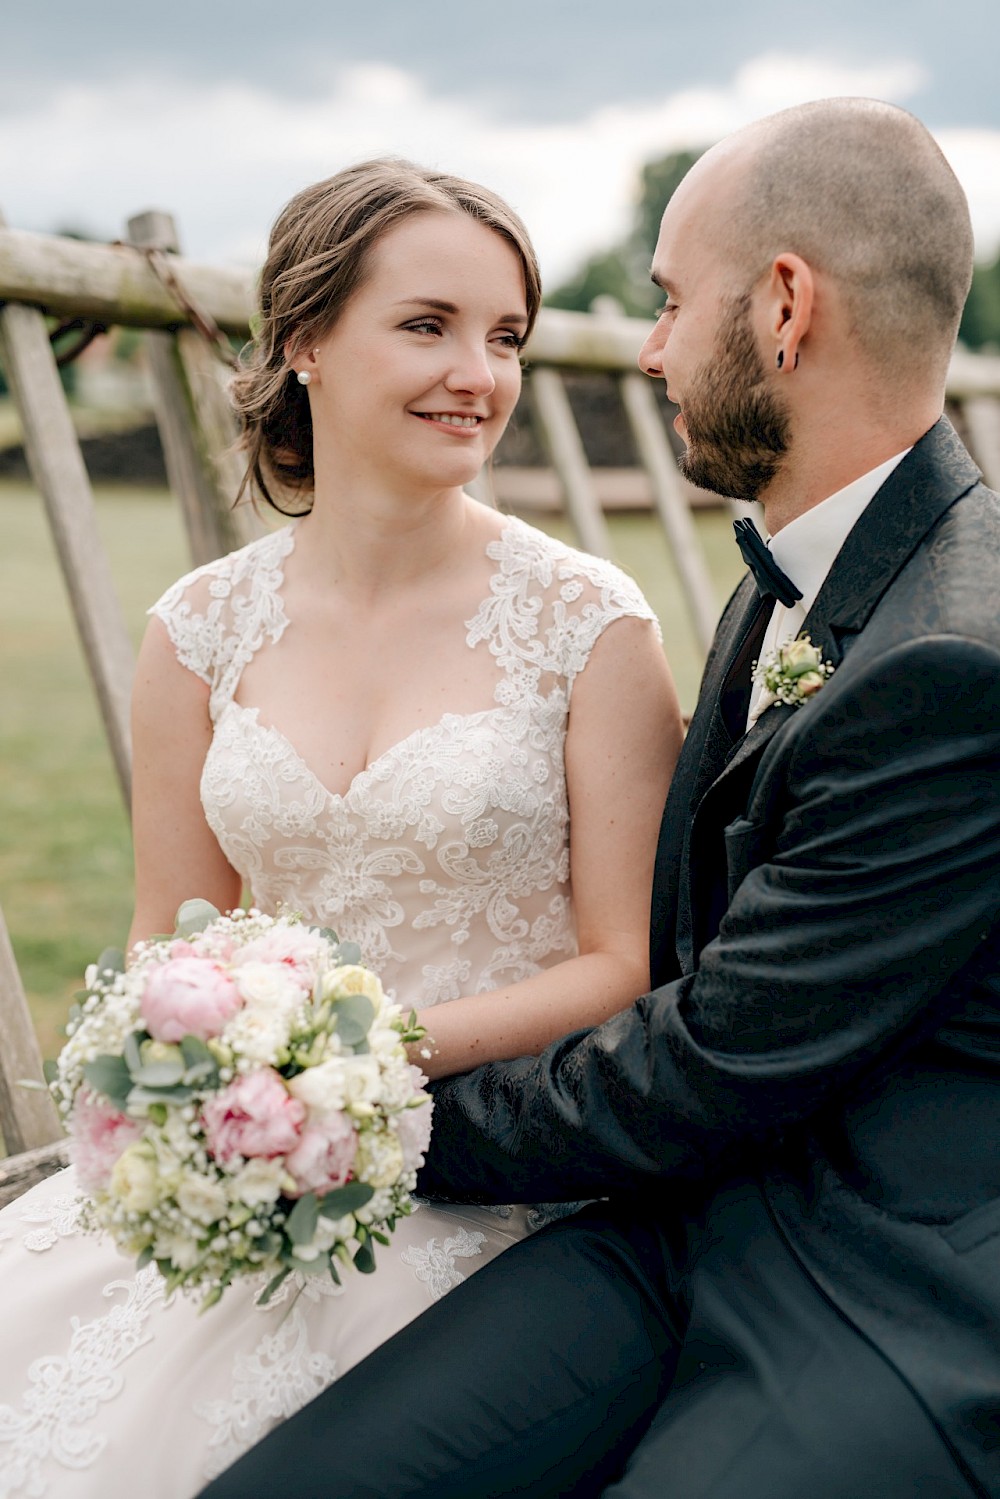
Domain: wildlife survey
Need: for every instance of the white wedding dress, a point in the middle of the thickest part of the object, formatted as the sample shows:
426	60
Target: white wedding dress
447	860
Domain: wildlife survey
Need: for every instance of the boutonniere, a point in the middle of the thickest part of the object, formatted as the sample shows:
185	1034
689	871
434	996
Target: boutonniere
792	672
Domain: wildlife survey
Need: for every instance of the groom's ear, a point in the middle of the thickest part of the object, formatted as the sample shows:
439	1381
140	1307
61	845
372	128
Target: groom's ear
791	291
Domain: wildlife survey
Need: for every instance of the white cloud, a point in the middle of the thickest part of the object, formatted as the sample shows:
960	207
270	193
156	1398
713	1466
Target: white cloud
225	159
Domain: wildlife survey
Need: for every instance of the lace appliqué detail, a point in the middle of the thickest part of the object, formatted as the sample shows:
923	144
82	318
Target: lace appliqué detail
281	1375
59	1219
53	1421
435	1265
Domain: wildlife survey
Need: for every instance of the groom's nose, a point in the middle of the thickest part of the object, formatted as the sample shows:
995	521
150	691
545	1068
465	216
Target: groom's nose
651	353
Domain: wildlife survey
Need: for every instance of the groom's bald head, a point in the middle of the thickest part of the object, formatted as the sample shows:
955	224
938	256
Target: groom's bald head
861	191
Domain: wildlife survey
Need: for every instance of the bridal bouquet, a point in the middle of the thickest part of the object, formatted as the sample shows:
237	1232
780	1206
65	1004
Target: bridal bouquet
240	1101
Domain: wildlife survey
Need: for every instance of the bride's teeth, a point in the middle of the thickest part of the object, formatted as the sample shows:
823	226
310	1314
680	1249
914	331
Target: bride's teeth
454	421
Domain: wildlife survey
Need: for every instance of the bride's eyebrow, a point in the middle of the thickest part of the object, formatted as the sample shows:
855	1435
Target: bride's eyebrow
437	305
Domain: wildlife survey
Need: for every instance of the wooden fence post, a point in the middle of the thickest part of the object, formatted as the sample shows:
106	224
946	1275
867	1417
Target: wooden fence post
560	435
28	1117
197	428
57	467
671	503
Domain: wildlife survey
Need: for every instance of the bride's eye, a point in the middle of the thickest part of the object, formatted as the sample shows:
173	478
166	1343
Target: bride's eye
508	339
423	325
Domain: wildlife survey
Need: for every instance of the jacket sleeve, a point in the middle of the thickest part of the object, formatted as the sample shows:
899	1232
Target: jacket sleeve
874	879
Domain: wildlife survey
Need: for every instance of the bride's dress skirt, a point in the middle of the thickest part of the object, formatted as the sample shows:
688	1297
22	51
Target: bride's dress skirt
109	1391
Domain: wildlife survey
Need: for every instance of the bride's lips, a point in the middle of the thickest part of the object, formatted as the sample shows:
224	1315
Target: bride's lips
455	423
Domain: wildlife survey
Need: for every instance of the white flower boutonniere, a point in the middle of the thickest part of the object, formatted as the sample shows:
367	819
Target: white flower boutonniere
792	672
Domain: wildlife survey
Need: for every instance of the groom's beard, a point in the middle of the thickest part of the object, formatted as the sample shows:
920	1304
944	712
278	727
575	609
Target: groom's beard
737	429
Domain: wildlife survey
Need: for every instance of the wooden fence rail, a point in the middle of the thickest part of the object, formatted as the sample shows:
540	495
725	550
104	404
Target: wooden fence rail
181	305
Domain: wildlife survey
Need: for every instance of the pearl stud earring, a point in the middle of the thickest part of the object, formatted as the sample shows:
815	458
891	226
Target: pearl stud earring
303	377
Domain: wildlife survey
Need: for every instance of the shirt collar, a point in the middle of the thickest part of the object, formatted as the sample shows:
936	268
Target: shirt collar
807	546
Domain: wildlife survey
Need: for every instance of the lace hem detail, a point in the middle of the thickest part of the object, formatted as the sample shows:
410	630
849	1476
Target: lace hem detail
54	1421
281	1375
58	1219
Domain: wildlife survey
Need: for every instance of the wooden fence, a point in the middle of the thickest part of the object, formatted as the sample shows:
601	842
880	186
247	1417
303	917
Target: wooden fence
188	312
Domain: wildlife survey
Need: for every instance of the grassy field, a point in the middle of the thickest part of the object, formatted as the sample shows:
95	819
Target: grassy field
65	864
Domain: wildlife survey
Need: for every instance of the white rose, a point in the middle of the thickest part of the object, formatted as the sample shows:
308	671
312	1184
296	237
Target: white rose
268	984
259	1035
324	1088
203	1200
384	1042
379	1160
353	979
182	1253
135	1179
256	1183
362	1079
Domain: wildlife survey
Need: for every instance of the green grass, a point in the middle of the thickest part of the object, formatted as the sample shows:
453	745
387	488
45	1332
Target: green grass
65	862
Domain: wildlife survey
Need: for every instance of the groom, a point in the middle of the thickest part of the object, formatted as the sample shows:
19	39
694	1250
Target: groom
792	1290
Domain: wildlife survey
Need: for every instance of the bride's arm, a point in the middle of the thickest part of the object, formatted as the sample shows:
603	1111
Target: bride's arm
176	852
623	739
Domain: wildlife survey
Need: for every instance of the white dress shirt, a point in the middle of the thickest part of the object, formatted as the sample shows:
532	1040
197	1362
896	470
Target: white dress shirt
806	549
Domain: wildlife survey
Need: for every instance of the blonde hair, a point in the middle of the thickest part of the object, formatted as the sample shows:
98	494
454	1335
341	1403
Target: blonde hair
319	255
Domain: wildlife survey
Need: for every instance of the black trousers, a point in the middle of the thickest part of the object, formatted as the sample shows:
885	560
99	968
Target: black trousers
612	1354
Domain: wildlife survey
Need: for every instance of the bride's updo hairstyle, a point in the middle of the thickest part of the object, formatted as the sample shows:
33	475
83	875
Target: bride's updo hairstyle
318	256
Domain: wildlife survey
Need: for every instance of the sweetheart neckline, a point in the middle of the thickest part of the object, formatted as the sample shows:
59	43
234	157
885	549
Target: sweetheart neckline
253	713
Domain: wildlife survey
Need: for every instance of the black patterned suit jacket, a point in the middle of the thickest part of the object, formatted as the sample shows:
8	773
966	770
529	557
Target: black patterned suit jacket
826	956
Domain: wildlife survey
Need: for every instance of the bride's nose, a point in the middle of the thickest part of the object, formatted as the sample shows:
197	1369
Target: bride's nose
471	371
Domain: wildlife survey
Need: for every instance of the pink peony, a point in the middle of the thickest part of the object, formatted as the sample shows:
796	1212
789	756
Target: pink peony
188	997
325	1153
98	1137
254	1116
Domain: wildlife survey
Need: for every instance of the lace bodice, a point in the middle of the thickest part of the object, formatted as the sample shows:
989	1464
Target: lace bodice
447	858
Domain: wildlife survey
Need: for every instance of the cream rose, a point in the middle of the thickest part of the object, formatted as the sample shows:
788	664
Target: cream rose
135	1179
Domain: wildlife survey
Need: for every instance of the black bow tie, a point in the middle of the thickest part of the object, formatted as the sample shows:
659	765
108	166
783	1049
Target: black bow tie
771	580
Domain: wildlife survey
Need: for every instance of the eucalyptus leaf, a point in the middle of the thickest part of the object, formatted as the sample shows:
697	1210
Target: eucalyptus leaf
144	1257
302	1220
347	953
352	1018
205	1075
329	934
272	1285
194	916
158	1074
307	1267
109	1076
50	1070
364	1260
333	1272
194	1051
346	1199
132	1053
145	1095
112	960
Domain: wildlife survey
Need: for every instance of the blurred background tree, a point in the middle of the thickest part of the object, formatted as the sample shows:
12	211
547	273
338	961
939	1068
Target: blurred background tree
622	271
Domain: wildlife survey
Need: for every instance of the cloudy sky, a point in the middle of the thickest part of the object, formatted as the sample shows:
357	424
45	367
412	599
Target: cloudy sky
218	111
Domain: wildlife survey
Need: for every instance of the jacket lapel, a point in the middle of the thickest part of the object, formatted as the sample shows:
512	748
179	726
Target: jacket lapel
710	738
936	473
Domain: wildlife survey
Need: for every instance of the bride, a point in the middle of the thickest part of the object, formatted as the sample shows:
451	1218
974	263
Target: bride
385	715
